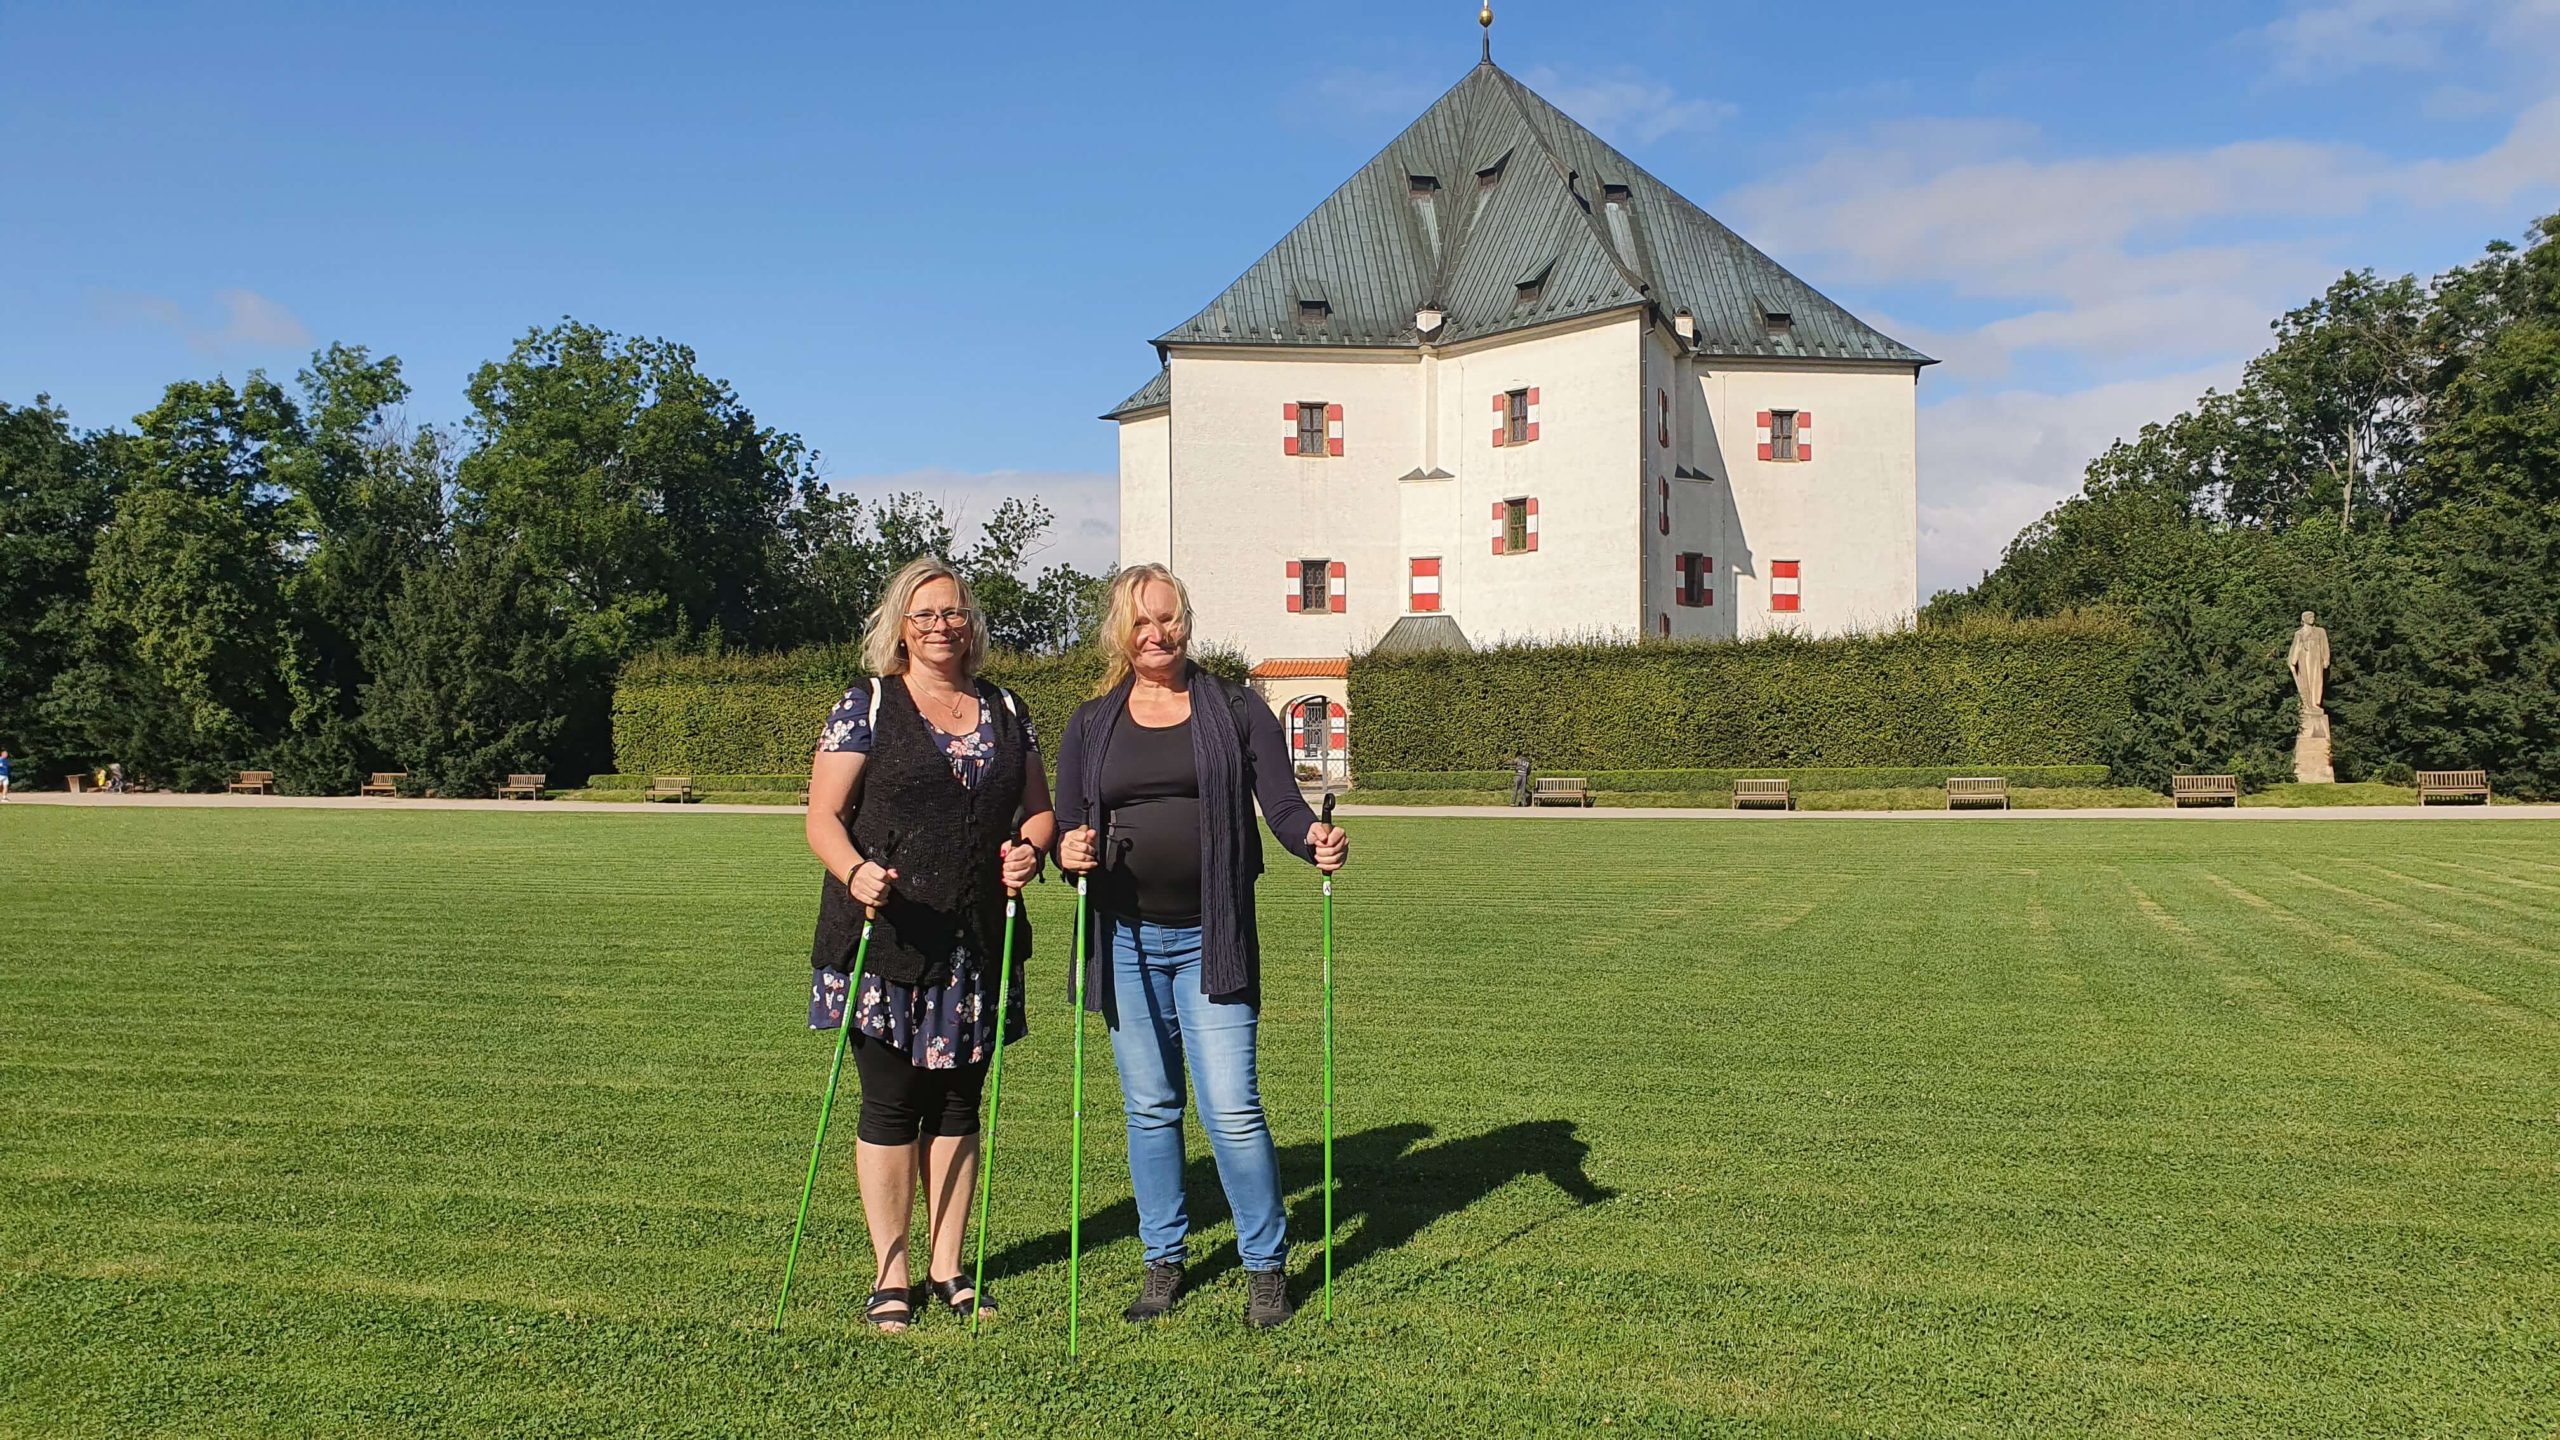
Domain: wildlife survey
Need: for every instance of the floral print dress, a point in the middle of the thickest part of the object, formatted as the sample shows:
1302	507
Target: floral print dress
939	1027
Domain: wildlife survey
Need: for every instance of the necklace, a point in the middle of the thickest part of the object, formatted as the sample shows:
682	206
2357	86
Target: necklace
954	704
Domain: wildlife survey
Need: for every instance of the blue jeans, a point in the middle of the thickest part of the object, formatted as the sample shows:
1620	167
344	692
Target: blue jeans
1157	1016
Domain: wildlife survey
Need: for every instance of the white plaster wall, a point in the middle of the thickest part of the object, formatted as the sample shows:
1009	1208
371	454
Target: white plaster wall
1242	508
1236	508
1850	515
1146	489
1585	469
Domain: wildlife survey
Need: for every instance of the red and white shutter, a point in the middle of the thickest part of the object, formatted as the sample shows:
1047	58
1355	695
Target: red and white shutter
1424	584
1501	420
1804	434
1333	429
1498	508
1297	597
1289	436
1297	729
1706	578
1768	450
1662	423
1533	524
1662	487
1786	585
1337	725
1337	587
1533	413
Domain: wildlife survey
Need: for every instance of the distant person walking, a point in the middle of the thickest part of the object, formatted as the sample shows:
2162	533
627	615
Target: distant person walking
1158	776
4	774
923	778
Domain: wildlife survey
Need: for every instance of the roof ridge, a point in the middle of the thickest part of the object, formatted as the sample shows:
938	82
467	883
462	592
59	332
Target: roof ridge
1567	173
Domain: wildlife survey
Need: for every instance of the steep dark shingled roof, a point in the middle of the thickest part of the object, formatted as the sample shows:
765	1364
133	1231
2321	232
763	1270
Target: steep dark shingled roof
1373	254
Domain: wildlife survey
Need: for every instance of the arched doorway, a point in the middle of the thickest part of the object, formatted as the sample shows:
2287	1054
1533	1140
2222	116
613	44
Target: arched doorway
1319	741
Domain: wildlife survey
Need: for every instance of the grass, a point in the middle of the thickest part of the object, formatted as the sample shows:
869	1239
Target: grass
2045	797
471	1124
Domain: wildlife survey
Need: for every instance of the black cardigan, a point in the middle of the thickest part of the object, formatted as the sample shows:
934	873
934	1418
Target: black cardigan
1237	768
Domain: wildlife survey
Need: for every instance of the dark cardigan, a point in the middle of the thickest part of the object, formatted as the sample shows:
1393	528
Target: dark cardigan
1236	769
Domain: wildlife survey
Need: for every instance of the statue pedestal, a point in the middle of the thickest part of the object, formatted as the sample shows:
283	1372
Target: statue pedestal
2311	750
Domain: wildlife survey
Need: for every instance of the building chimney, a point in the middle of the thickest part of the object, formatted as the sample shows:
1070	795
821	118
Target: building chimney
1427	320
1685	325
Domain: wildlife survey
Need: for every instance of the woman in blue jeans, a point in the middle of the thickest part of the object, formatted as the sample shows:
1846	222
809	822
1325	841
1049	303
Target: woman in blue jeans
1158	776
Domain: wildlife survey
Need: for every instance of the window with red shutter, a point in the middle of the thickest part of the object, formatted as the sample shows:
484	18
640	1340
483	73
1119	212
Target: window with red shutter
1422	583
1786	585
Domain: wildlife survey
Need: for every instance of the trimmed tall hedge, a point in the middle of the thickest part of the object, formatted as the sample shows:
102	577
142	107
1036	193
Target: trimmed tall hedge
749	715
1981	694
1631	782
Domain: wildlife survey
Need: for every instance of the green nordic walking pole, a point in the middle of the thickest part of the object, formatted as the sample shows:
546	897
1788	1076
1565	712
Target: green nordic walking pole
995	1107
1075	1150
826	1107
1328	1076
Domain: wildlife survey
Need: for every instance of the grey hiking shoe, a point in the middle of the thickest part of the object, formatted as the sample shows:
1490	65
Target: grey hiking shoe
1155	1293
1266	1299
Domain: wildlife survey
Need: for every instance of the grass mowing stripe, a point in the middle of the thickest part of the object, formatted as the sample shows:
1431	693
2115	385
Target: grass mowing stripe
2028	1129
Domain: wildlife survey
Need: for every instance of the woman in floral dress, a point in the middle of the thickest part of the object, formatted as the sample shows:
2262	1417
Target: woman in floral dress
926	804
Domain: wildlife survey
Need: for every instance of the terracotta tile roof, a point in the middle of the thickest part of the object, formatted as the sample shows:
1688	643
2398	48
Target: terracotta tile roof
1338	666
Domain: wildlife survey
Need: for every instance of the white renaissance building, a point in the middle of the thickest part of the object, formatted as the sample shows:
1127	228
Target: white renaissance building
1504	384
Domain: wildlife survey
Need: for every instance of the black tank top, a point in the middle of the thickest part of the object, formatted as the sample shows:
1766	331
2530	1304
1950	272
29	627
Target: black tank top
1151	792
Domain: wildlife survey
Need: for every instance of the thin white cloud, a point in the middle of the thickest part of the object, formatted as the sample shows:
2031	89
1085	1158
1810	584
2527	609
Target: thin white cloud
1629	108
2319	42
1991	462
2152	274
245	321
1085	504
2335	40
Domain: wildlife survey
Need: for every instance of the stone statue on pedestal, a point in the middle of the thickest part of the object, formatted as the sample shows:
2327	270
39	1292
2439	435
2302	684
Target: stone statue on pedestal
2309	662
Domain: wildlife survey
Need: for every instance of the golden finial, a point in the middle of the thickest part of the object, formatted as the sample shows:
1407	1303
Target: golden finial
1484	17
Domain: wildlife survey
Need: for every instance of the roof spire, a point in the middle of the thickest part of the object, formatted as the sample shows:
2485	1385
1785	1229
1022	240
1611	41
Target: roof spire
1484	17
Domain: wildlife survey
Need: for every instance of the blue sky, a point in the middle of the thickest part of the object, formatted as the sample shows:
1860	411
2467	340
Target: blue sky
935	239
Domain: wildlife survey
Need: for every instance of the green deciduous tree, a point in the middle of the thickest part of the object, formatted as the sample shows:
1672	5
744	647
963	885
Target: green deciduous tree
57	494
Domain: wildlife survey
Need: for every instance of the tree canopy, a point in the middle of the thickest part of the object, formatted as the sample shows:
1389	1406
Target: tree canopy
296	579
2392	463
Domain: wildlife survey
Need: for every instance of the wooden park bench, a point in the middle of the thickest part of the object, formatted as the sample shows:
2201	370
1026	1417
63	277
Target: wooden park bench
1977	790
523	787
2204	789
1749	793
1561	790
678	788
253	782
2453	784
385	783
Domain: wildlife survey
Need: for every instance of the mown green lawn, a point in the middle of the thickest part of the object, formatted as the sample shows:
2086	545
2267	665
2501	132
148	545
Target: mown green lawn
472	1124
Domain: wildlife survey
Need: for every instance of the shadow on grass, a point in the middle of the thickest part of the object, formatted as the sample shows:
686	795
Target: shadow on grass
1389	1187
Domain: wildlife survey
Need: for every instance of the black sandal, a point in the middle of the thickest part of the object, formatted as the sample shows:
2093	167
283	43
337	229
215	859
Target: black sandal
947	1292
895	1306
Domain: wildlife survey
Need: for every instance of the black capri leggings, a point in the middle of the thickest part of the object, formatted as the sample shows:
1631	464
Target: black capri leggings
901	1099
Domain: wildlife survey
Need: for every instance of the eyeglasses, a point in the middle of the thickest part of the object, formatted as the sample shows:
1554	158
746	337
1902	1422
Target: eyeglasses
940	619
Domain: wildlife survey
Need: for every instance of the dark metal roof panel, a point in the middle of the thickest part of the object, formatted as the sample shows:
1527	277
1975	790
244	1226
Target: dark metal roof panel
1370	254
1154	395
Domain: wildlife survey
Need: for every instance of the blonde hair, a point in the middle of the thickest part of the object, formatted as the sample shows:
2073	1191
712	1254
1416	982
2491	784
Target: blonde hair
1120	621
884	642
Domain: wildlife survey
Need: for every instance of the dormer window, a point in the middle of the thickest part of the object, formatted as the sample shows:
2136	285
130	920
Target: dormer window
1312	314
1533	289
1617	195
1491	175
1778	323
1423	187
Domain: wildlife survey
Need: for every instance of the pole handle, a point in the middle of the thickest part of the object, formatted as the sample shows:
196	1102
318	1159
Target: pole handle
1327	816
